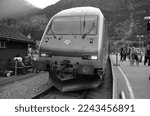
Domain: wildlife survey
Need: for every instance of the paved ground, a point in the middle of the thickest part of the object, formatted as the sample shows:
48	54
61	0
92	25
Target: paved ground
137	77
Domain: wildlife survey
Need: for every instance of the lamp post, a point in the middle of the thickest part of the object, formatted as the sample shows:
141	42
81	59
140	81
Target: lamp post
129	43
140	36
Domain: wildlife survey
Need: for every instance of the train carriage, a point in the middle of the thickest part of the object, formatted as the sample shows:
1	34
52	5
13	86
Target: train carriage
76	43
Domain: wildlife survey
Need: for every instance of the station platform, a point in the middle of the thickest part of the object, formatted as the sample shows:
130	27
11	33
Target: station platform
132	82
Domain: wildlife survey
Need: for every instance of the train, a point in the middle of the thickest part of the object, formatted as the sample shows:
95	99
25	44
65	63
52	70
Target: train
76	43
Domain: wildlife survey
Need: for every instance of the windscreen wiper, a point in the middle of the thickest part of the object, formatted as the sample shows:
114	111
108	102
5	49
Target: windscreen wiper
92	27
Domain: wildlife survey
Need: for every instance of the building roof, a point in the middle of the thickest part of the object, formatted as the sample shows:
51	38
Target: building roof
7	33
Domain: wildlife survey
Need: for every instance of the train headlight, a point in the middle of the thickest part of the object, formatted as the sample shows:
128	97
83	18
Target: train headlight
94	57
85	57
89	57
45	55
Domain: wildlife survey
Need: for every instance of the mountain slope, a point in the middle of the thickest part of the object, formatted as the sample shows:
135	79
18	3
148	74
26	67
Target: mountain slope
14	8
125	18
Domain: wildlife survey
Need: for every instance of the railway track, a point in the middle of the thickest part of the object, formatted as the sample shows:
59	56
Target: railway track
103	91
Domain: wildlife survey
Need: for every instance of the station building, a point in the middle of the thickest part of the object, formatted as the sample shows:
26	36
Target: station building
12	43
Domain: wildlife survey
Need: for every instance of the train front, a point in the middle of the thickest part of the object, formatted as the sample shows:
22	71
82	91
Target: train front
71	43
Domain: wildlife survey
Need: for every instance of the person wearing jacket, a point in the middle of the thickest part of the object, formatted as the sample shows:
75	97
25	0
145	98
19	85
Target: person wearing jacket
147	54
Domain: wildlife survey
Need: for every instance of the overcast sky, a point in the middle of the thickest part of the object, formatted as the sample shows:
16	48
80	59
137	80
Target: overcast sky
42	3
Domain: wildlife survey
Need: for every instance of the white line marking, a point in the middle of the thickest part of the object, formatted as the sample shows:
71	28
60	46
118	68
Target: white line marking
128	84
127	81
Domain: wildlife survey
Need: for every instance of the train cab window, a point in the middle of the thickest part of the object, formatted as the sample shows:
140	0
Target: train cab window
89	25
75	25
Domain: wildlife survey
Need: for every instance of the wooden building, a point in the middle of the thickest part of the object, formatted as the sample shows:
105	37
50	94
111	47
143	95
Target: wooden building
12	43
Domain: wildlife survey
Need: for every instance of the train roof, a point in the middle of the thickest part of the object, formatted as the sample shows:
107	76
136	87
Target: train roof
80	11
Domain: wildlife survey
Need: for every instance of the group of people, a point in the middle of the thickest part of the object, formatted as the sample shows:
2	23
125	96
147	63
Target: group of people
133	56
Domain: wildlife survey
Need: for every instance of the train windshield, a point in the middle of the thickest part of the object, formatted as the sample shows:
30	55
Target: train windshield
73	25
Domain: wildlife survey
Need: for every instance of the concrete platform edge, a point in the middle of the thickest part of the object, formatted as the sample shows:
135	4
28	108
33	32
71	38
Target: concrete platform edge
114	95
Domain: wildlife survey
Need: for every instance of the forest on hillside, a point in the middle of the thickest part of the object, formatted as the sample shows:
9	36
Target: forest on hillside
125	18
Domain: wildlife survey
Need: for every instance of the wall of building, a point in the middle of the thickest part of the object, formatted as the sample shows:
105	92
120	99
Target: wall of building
12	49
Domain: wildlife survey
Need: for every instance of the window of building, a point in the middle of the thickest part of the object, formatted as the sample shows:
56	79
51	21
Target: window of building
2	44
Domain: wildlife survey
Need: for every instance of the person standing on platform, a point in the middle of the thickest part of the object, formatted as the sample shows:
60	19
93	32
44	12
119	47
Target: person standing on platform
124	54
133	57
128	53
147	54
121	54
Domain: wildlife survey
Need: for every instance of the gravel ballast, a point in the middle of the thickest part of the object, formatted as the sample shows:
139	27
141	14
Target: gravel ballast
26	88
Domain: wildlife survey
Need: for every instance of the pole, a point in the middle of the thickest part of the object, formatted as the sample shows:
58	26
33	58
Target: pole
116	60
15	67
139	41
140	37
